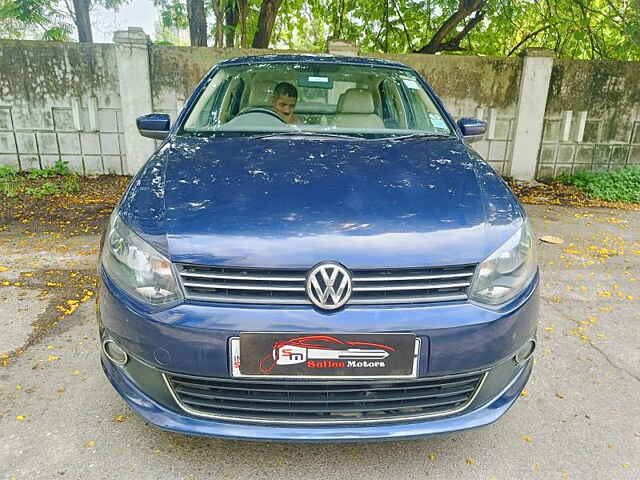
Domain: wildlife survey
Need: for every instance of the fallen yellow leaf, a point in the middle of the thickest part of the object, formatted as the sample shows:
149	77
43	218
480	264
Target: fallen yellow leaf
432	457
20	418
4	269
75	372
52	358
524	393
120	419
551	239
527	438
470	461
90	444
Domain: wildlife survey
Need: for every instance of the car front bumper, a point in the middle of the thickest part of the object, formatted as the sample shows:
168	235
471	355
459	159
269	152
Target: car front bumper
193	339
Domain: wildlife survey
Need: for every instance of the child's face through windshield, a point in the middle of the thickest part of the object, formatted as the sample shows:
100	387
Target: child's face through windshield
284	105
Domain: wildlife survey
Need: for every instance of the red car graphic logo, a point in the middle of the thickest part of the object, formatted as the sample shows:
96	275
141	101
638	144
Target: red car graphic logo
321	347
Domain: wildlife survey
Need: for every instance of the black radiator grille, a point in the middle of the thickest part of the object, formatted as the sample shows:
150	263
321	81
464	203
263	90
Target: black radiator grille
323	402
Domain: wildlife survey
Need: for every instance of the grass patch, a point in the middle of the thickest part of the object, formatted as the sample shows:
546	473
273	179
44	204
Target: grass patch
621	185
10	182
54	180
59	168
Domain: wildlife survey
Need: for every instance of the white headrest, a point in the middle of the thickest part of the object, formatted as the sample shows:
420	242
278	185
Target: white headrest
356	100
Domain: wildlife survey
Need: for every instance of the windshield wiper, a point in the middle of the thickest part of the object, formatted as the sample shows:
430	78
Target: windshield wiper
295	133
418	136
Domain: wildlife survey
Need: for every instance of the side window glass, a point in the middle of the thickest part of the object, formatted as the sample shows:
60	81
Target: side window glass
204	112
420	113
425	115
234	108
386	113
390	111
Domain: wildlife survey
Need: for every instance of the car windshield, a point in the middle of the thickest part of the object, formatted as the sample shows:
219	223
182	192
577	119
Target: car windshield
315	98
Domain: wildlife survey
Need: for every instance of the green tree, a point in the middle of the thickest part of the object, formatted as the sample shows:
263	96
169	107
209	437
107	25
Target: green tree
584	29
41	17
231	18
54	20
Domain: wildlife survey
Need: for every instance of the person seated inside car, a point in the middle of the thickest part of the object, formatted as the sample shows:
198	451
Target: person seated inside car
284	100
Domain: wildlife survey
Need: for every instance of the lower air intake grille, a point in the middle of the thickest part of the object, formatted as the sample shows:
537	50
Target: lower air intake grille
287	286
323	402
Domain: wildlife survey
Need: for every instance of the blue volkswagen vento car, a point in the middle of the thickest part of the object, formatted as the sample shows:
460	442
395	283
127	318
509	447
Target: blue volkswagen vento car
314	253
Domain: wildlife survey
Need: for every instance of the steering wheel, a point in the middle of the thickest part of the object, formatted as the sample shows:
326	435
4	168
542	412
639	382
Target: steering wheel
262	110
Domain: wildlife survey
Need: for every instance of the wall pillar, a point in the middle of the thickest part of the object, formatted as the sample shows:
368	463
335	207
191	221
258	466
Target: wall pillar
336	46
532	103
132	55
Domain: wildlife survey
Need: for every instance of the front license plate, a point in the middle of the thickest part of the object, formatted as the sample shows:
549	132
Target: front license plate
320	355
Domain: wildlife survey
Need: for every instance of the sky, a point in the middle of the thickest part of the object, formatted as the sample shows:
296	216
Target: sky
137	13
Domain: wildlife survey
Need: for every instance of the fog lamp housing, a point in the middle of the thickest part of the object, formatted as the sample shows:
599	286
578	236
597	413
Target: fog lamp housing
525	352
115	352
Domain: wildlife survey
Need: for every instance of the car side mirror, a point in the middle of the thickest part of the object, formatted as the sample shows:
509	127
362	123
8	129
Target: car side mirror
472	129
154	125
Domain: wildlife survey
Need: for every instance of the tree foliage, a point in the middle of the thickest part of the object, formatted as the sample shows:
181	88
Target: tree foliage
583	29
51	19
18	17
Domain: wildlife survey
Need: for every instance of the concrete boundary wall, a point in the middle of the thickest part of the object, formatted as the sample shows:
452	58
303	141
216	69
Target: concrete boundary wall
60	101
78	103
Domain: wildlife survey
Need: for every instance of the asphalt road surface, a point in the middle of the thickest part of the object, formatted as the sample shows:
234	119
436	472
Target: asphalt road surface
578	419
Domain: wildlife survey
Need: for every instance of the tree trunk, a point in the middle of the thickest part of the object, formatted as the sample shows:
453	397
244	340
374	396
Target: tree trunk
266	20
243	7
197	23
82	20
231	23
218	11
465	9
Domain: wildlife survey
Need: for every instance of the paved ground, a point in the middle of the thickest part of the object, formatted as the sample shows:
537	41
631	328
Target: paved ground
578	419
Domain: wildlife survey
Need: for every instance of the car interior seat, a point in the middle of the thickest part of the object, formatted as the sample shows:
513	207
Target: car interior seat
260	94
356	109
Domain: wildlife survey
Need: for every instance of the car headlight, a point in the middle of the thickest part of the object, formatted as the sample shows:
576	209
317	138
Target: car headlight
507	270
136	267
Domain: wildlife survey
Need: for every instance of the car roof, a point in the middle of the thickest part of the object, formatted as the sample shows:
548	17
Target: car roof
313	58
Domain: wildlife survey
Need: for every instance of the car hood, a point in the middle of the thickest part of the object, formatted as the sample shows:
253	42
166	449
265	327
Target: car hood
291	202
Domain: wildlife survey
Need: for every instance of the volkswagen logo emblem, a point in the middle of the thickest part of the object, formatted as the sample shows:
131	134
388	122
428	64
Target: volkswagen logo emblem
329	285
